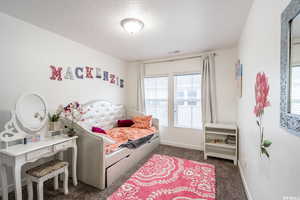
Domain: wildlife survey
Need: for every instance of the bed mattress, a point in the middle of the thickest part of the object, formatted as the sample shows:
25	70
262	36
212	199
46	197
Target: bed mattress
123	135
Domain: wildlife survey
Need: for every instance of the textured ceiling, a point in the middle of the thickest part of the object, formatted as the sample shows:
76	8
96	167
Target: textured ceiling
186	25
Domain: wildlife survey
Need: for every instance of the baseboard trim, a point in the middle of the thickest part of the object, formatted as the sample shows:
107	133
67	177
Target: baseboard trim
182	145
248	194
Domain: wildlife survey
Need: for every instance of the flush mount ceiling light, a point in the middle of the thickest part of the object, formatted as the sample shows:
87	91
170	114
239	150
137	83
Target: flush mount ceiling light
132	25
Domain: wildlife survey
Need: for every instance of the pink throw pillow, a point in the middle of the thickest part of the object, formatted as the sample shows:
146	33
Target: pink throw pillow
98	130
142	121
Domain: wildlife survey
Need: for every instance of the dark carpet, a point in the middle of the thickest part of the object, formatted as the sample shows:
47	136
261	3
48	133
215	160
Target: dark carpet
229	182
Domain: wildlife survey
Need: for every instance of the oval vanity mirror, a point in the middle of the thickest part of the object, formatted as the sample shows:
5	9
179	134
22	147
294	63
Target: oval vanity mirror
31	112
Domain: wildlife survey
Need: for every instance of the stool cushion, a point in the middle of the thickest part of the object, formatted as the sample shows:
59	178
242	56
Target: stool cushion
46	168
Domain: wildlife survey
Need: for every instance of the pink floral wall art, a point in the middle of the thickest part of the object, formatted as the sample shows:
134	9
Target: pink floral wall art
262	90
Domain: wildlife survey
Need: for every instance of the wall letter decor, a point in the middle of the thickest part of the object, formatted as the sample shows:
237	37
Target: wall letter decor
56	73
98	73
77	71
89	72
85	73
112	78
105	76
69	74
121	83
117	80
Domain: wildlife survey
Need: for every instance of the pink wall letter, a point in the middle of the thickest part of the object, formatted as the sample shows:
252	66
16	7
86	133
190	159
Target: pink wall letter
56	73
89	72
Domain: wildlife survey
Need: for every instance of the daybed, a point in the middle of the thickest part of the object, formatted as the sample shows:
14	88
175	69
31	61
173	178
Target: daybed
95	167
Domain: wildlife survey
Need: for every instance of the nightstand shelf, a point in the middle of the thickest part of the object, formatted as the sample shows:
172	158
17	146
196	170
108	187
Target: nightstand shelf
221	140
223	145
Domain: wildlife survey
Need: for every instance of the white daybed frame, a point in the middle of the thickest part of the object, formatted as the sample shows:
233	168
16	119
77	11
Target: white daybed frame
94	166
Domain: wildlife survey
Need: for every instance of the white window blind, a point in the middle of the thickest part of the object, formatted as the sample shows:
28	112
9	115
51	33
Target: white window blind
156	98
187	101
295	90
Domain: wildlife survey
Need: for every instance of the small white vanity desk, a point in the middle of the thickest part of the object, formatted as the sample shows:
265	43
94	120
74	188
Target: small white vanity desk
16	155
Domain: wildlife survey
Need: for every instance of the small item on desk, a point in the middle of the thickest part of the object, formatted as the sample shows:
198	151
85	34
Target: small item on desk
36	138
54	123
31	139
70	131
55	133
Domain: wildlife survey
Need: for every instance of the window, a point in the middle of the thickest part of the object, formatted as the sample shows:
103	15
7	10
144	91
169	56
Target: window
156	98
187	101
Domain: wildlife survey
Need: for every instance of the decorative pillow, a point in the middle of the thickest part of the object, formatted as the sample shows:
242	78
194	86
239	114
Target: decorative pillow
142	121
98	130
125	123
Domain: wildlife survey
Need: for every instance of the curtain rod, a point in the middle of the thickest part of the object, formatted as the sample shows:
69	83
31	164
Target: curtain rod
176	59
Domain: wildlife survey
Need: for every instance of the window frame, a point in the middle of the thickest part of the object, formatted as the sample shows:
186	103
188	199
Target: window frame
171	97
168	100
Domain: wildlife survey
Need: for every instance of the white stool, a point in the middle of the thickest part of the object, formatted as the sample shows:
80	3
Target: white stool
45	172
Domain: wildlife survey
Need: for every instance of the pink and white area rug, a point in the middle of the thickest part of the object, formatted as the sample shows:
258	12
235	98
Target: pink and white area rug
164	177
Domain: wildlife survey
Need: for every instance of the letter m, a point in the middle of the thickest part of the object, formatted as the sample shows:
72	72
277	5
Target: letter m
56	73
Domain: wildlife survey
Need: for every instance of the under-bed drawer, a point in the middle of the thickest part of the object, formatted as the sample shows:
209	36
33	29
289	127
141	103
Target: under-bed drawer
122	166
114	157
118	169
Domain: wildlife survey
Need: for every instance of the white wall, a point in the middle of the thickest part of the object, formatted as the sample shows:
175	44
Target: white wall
26	52
259	50
226	94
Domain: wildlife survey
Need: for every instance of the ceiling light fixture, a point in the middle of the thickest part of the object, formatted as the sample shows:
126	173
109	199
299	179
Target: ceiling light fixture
132	25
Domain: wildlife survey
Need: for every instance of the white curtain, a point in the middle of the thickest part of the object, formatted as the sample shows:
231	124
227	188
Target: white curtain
140	89
208	90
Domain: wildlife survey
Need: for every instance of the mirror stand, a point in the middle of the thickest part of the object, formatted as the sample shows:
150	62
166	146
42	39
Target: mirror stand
12	132
28	120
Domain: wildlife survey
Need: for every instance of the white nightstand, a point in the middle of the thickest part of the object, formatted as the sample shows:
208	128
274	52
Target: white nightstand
215	143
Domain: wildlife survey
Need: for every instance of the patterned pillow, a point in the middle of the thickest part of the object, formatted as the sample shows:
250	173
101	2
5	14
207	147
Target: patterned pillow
142	121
